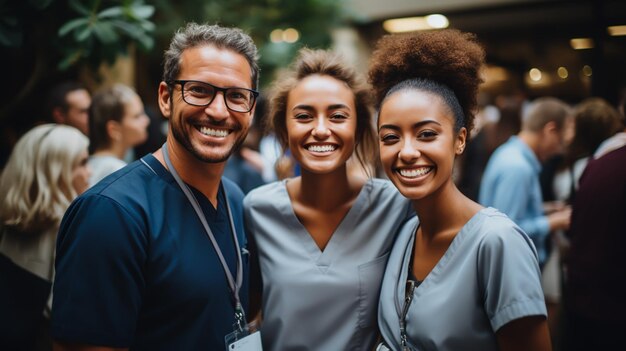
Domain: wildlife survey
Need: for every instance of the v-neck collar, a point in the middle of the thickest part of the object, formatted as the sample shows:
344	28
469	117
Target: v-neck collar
159	169
433	276
322	258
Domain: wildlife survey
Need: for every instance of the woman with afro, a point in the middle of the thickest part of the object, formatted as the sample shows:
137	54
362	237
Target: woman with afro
462	277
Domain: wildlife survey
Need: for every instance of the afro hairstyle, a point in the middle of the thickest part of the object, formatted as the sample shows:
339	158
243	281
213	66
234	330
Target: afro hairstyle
447	57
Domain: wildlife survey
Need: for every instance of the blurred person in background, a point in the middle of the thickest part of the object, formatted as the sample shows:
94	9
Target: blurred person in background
47	169
595	120
117	123
510	182
480	147
68	103
322	238
593	295
594	310
619	139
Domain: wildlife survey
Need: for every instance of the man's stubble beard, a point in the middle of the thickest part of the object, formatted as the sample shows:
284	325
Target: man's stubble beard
186	143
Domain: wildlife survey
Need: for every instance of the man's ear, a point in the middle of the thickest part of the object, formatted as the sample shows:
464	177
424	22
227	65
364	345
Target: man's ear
164	100
550	127
58	116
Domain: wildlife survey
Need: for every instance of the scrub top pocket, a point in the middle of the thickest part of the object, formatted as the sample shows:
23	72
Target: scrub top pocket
370	278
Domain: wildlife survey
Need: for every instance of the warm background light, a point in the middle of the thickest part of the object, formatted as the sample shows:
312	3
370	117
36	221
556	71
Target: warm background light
276	36
535	74
289	35
562	72
581	43
617	30
409	24
437	21
493	73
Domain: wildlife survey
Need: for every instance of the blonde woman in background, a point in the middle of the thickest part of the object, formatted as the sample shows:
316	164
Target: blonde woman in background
46	170
117	123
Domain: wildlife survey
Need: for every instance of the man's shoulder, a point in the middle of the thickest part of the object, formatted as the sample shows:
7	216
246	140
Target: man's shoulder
509	157
135	185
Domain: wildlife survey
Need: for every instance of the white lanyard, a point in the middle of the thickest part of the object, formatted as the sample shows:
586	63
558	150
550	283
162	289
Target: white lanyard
234	286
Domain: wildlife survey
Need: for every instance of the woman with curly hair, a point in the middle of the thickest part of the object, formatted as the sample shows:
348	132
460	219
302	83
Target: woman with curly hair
323	237
47	169
462	277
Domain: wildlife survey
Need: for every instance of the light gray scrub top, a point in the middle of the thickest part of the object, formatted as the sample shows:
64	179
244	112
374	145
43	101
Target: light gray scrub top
102	166
323	300
488	277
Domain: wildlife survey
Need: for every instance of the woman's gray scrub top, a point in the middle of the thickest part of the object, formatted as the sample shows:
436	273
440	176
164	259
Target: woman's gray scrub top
488	277
323	300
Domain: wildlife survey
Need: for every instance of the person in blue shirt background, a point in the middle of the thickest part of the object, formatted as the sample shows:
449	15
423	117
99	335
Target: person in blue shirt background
510	182
154	257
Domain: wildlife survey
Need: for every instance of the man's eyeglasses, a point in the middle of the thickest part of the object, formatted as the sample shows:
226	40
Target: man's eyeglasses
198	93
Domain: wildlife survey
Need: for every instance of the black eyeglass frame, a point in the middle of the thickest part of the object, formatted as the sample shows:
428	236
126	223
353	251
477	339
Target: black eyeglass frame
255	94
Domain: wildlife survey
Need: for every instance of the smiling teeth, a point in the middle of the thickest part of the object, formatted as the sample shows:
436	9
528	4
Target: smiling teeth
213	132
321	148
413	173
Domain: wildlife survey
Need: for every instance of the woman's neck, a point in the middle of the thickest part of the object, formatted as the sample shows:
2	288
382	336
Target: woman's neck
114	149
445	211
326	191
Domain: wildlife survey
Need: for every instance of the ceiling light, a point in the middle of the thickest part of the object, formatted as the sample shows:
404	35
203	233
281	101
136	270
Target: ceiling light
581	43
495	73
410	24
535	74
437	21
617	30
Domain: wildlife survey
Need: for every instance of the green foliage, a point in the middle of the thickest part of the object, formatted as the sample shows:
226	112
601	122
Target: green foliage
96	31
104	29
313	19
45	41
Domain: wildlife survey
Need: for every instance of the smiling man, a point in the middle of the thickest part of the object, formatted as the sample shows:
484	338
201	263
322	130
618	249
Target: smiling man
154	256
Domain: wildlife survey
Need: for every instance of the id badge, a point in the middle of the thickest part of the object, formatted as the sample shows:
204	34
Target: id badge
246	339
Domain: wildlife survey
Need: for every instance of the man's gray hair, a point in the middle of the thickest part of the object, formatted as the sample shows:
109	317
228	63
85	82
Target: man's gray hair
194	34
